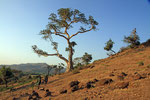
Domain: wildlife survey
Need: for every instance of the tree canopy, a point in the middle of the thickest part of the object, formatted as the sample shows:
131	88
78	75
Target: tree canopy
59	25
109	46
133	39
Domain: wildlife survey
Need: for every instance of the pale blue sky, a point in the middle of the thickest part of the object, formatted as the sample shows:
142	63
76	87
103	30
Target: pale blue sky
22	20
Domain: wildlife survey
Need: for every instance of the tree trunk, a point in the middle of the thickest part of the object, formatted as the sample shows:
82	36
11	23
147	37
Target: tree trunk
113	51
5	83
70	63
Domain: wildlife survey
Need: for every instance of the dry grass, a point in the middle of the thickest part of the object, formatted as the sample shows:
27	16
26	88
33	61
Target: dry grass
126	61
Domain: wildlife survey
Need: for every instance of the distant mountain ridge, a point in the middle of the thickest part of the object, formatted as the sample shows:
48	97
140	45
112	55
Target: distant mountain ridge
29	67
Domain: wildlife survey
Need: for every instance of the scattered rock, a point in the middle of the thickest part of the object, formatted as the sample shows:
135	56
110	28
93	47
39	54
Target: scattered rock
120	77
42	89
48	93
122	85
73	83
82	85
63	91
137	77
123	74
111	74
75	88
30	97
104	81
95	80
89	84
24	95
34	96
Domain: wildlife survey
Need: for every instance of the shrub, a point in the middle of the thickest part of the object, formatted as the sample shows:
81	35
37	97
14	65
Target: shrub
148	66
141	63
133	39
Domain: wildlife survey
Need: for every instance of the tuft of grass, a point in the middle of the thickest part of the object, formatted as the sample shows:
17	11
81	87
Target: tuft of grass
148	66
149	57
140	53
75	71
141	63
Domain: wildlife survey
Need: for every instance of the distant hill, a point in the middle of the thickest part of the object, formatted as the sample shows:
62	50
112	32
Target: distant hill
29	67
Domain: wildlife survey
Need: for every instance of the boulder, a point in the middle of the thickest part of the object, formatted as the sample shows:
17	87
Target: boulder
62	91
48	93
104	81
73	83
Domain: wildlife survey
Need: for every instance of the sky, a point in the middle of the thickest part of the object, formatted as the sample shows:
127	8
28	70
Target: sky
22	20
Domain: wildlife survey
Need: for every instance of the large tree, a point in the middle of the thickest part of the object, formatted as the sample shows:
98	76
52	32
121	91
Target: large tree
59	25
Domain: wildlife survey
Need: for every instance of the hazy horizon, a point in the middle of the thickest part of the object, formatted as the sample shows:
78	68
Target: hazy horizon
22	20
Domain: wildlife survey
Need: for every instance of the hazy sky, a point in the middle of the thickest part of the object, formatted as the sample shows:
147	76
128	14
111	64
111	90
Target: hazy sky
22	20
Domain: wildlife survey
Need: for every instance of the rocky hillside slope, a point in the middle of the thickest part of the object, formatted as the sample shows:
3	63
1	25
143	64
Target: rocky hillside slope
124	76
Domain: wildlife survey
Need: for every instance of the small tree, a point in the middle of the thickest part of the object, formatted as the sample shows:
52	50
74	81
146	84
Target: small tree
60	67
5	74
49	68
109	46
133	39
59	26
87	58
78	62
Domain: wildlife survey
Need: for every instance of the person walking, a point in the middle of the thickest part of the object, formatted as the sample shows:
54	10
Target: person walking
46	79
39	81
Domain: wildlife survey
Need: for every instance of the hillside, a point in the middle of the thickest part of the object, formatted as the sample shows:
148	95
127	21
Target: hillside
29	67
124	76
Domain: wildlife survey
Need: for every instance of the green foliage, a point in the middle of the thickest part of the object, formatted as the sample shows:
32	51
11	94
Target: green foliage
79	62
58	25
109	45
5	74
133	39
72	45
87	58
60	67
141	63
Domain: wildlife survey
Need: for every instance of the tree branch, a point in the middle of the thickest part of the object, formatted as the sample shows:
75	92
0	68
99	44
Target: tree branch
81	32
59	34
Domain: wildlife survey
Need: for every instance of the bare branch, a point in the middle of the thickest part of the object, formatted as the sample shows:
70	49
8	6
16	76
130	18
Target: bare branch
43	53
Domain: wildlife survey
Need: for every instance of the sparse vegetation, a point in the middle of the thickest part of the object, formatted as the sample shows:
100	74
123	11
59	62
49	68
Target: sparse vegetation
148	66
109	46
141	63
5	74
133	39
